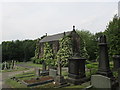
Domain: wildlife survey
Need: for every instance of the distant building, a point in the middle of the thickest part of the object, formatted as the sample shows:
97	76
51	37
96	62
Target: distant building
119	8
53	40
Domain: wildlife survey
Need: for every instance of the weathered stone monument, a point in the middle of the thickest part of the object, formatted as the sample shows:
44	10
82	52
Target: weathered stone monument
103	68
116	61
60	79
43	66
76	70
44	71
104	77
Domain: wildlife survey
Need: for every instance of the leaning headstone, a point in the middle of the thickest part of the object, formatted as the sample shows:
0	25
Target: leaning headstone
52	73
37	71
104	68
101	82
116	60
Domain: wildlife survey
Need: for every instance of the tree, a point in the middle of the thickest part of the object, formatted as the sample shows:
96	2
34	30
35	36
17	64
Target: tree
113	36
89	44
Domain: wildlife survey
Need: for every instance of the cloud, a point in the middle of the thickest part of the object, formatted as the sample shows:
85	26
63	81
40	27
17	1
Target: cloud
32	20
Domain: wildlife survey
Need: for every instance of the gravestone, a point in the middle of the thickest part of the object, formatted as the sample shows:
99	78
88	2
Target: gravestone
43	66
37	72
116	61
100	81
103	68
76	70
59	78
5	63
52	73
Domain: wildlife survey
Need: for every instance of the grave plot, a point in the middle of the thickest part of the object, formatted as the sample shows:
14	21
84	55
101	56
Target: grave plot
38	81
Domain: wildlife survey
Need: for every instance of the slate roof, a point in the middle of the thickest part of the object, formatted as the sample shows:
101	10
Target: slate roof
55	37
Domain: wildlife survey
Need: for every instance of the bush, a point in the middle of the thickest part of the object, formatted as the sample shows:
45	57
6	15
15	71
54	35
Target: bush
37	61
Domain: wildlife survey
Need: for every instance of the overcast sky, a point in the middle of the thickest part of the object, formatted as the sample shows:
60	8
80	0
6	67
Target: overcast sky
31	20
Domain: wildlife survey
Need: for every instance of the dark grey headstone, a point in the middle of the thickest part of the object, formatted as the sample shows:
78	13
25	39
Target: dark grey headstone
104	68
76	70
100	81
116	60
52	73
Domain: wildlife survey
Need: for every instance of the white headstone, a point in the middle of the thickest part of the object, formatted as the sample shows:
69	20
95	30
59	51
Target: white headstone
100	81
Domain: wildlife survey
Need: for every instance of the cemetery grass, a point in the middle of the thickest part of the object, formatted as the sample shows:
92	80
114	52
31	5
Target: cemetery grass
14	84
13	70
35	65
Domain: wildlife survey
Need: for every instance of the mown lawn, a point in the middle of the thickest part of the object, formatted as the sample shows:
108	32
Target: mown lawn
16	69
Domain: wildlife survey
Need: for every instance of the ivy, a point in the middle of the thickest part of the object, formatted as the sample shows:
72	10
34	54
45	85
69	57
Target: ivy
65	50
48	55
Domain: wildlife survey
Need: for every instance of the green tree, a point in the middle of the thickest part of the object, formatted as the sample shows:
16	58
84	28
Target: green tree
88	43
113	36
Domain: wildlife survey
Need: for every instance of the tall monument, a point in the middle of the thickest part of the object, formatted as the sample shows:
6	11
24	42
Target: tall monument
119	8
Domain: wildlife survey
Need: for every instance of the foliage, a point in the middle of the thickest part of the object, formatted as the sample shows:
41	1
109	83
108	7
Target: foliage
18	50
88	44
113	36
48	55
65	50
37	49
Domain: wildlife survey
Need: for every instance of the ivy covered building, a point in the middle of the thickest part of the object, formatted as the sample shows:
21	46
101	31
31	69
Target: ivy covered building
53	40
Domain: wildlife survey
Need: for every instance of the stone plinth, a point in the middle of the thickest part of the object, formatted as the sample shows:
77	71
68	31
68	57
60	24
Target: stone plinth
116	61
104	68
76	69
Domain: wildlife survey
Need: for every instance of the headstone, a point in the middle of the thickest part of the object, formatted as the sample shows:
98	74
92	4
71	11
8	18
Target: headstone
104	68
14	64
100	81
60	79
43	66
59	68
37	71
76	70
5	63
116	60
11	65
52	73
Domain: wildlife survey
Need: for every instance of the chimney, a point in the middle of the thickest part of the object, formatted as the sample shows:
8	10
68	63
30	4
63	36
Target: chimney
73	28
46	34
